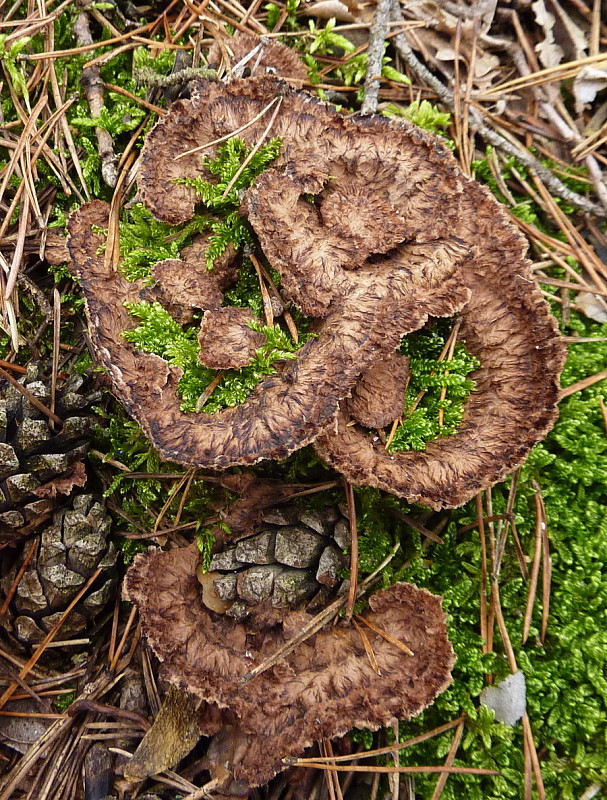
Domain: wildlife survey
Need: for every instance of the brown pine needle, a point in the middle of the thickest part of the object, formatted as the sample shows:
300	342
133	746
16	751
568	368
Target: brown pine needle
367	645
440	784
202	400
228	135
546	561
254	150
352	591
540	525
380	751
483	577
265	295
392	770
385	635
33	400
583	384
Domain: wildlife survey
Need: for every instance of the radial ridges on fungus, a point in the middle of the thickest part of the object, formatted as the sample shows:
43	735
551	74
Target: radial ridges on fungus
373	229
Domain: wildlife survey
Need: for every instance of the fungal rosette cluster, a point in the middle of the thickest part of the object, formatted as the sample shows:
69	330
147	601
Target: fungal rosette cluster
374	230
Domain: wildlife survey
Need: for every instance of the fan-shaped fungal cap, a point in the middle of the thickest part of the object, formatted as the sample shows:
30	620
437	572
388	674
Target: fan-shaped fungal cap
226	339
271	57
322	688
508	327
416	238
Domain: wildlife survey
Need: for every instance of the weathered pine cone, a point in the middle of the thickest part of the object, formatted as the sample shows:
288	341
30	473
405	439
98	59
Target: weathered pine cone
69	551
39	460
293	561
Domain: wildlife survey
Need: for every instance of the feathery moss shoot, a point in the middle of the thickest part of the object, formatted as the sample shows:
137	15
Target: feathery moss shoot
145	241
230	227
421	422
160	334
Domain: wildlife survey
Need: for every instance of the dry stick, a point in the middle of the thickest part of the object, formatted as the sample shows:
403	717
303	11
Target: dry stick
577	387
375	56
352	591
33	400
10	690
497	140
93	88
440	784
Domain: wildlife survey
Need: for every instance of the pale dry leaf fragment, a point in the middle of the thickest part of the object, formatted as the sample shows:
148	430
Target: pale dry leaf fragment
590	305
549	52
508	699
588	82
174	733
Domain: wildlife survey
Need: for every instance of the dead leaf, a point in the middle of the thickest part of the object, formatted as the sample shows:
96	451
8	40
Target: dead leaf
174	733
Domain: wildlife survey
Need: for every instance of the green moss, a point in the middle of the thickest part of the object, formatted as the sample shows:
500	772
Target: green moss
566	684
431	376
422	113
144	240
159	333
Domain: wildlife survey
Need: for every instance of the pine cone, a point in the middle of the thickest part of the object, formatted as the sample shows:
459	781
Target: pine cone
37	459
69	550
293	561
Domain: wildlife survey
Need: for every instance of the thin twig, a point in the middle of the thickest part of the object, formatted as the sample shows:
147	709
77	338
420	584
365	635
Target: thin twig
492	137
375	56
352	591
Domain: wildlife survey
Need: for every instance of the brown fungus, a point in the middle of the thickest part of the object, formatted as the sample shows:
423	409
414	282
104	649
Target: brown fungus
508	327
367	305
321	689
227	340
378	397
415	239
270	57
